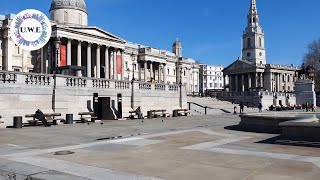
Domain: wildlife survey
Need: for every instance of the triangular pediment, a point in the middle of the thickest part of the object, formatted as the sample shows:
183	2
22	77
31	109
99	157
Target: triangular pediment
239	66
95	31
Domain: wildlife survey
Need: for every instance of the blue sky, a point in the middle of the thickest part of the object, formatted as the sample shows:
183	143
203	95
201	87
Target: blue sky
210	30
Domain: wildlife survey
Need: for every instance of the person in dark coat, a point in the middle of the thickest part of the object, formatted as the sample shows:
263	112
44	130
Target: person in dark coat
139	113
241	108
41	117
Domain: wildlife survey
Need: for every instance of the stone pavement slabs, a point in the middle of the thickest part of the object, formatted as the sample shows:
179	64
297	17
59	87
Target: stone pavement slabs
287	170
195	147
204	172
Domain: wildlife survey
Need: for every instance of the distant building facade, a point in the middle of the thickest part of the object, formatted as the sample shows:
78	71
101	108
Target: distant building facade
251	72
211	78
98	53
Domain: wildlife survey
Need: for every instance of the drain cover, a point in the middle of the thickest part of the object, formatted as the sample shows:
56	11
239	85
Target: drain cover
61	153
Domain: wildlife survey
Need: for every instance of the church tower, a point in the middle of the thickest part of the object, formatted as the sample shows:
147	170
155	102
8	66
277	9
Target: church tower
177	48
253	38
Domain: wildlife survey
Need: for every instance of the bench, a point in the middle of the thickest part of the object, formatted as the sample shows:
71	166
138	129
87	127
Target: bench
50	117
155	113
85	116
133	114
182	111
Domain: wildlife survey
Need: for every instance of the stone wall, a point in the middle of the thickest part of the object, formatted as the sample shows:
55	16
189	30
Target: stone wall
252	99
305	92
24	93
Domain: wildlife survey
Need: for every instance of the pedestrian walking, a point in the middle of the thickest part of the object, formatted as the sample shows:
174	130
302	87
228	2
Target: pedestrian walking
260	107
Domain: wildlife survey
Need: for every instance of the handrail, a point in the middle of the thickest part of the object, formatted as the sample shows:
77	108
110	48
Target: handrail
205	107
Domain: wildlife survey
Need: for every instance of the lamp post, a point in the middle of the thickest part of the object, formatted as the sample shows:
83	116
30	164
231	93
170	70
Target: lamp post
180	80
132	81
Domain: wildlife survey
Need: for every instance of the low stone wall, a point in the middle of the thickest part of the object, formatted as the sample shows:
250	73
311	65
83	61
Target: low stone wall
273	122
308	128
24	93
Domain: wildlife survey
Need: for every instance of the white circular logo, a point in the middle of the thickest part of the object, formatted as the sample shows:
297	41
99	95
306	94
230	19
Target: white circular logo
31	29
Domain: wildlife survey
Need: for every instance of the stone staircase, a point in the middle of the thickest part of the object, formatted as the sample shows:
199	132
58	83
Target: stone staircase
215	106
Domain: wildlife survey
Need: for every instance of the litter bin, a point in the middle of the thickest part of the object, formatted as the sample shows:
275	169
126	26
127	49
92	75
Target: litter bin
69	119
17	122
175	113
149	115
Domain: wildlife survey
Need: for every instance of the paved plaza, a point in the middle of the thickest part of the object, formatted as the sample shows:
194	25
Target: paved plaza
196	147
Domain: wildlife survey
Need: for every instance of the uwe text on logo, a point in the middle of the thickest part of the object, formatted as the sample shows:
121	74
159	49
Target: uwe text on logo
31	30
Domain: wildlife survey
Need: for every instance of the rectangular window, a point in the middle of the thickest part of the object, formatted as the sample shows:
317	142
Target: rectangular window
211	85
168	71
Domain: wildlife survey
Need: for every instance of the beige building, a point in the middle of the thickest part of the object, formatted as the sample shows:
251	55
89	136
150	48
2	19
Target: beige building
251	72
76	48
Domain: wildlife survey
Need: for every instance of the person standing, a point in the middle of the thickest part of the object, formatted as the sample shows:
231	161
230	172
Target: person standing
260	107
241	108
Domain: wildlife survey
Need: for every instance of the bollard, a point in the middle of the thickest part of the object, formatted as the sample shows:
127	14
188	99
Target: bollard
69	119
175	113
149	115
17	122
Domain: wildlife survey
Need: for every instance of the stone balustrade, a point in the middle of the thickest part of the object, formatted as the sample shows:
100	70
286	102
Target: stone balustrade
173	87
145	86
160	87
8	77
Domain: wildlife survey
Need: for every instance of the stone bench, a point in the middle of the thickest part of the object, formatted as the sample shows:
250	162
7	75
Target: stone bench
155	113
305	128
50	117
85	116
182	111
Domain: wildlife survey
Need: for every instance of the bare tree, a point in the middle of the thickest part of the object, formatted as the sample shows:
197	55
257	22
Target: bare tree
312	58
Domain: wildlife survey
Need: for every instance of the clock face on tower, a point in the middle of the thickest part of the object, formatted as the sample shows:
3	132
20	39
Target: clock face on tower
248	54
260	54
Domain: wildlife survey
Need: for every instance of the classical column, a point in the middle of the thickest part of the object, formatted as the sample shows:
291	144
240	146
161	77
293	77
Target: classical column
151	70
224	81
285	82
139	70
57	52
249	82
164	69
115	76
98	65
242	82
89	60
106	64
69	52
236	83
122	65
261	79
145	71
41	61
79	58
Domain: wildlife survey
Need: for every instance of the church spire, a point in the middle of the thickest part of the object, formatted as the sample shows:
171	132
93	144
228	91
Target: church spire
253	38
253	15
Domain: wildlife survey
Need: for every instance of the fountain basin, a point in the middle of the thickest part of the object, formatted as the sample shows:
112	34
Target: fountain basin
270	122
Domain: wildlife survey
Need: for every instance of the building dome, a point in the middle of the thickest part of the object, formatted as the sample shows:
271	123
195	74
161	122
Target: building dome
69	4
69	12
176	43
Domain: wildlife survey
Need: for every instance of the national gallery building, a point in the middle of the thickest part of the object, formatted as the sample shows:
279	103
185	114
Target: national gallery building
78	49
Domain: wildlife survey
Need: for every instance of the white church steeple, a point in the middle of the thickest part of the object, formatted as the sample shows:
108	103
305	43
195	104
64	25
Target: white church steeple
253	37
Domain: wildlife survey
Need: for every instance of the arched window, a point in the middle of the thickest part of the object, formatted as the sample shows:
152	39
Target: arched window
249	43
254	20
80	19
260	42
65	16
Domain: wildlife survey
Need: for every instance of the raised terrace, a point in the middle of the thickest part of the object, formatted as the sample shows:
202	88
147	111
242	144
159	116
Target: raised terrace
24	93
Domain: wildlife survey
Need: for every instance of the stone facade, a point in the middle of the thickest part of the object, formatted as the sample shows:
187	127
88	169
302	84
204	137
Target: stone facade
251	72
24	93
102	54
211	78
